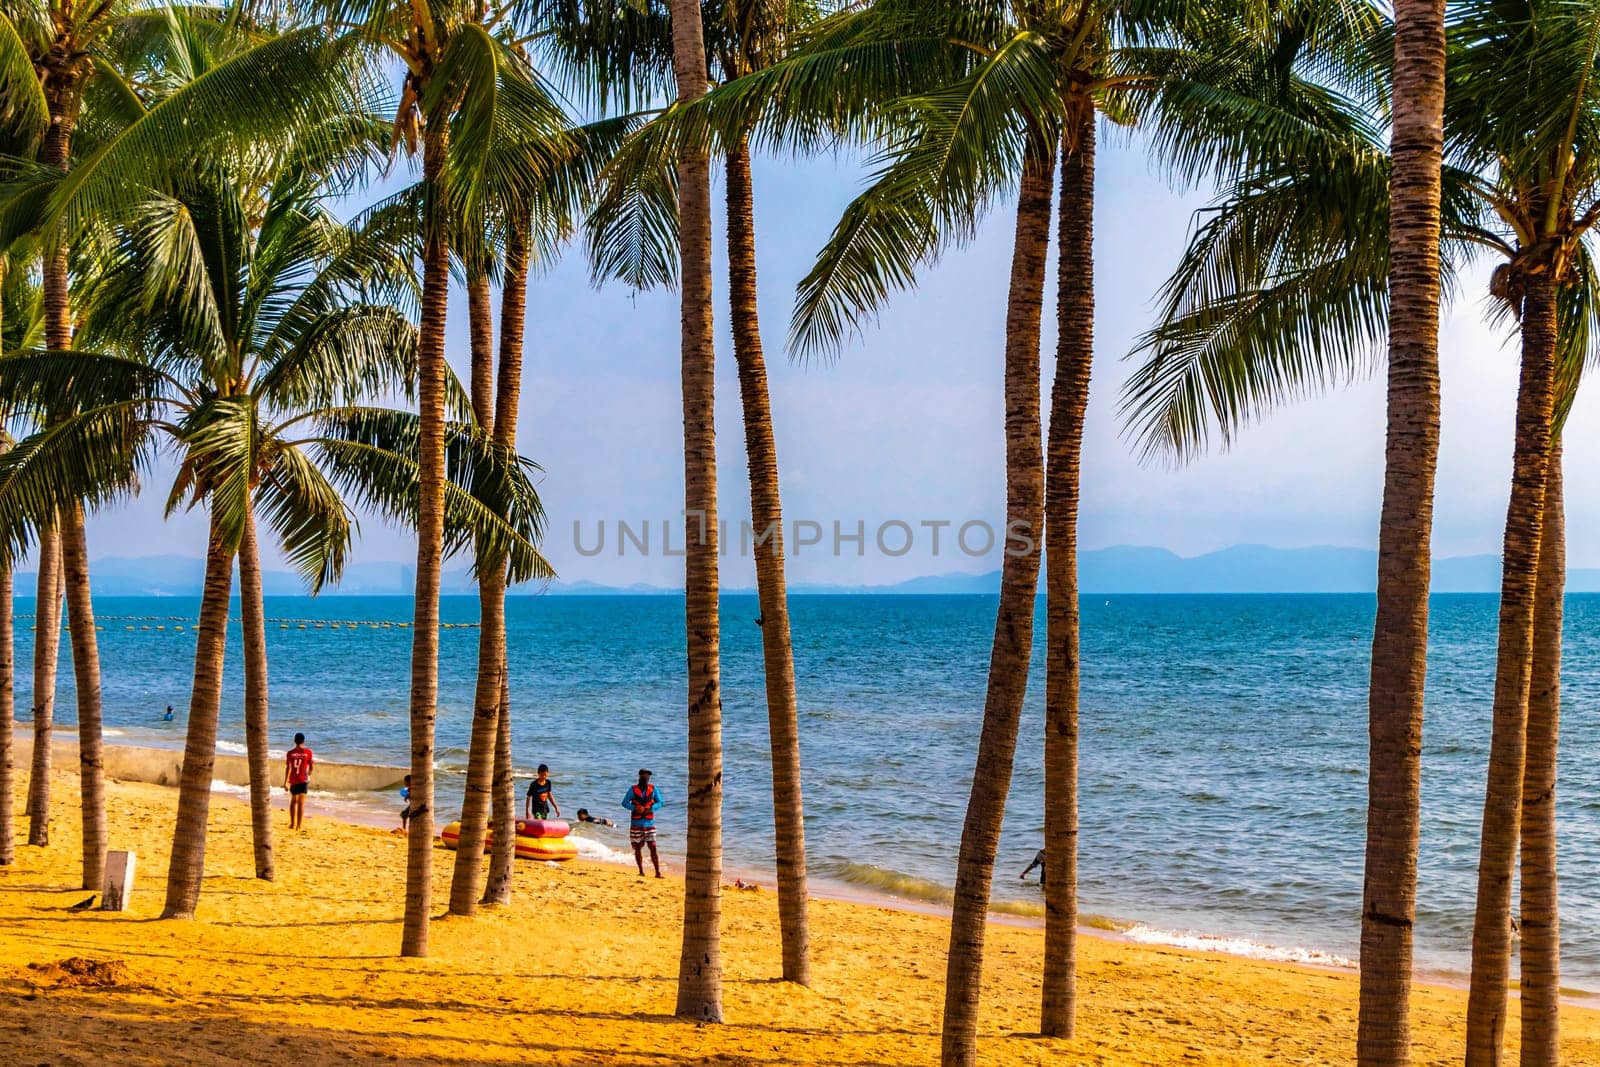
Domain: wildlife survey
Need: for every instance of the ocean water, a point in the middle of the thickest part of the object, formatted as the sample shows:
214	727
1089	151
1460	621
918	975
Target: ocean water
1223	742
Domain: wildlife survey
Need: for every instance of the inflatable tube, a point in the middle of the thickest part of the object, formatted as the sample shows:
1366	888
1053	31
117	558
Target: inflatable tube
528	848
547	848
543	828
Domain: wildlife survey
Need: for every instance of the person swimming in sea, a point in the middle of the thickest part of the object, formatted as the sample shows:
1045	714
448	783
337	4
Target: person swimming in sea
584	816
168	716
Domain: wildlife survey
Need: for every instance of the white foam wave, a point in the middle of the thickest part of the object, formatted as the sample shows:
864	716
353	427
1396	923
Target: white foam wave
230	788
601	853
232	746
1234	946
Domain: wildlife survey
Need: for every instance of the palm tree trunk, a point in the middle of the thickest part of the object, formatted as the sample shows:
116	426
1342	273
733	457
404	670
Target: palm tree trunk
1068	401
1502	805
8	670
480	325
188	863
46	649
1400	632
1541	919
1013	626
700	962
8	765
252	612
766	511
475	802
63	95
430	543
508	394
86	671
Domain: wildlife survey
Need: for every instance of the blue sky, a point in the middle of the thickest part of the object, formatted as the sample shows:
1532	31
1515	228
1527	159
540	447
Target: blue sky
906	424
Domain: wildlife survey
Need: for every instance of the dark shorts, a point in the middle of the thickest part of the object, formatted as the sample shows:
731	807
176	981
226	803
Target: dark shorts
299	789
641	835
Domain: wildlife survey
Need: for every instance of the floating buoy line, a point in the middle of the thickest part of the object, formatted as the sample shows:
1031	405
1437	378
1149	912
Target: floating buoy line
188	624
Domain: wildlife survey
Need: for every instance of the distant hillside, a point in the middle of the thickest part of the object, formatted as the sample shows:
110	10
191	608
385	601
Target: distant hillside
1120	569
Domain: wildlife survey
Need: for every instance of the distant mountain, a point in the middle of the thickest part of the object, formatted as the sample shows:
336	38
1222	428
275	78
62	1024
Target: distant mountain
1119	569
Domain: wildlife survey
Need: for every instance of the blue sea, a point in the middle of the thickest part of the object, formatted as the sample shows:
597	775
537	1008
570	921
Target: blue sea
1223	742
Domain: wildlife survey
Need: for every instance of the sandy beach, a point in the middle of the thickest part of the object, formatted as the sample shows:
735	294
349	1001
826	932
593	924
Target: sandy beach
581	969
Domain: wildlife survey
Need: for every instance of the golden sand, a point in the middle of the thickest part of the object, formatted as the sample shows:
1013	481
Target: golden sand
580	969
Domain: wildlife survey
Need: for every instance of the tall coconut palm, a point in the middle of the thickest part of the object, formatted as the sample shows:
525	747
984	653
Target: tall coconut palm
1405	527
1535	152
454	86
1518	184
1540	983
259	394
508	394
262	92
25	121
67	43
1185	74
700	961
631	235
533	176
7	621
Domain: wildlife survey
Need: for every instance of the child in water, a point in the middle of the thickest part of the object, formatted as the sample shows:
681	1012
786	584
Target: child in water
541	798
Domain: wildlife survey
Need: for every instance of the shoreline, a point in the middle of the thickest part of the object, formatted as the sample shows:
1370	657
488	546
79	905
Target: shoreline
581	968
232	771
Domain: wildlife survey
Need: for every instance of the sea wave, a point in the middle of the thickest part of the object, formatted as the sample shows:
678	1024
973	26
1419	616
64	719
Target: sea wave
233	747
910	887
229	788
1234	946
590	849
884	880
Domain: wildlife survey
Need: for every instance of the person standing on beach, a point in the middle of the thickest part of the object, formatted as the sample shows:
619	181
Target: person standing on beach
405	805
297	779
642	801
541	797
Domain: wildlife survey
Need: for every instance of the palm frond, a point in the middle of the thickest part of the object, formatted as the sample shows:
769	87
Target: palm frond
24	112
491	503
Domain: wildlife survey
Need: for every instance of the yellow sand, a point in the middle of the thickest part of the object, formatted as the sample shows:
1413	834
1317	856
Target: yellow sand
580	970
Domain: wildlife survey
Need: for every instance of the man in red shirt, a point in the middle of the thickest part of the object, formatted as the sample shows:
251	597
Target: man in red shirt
297	779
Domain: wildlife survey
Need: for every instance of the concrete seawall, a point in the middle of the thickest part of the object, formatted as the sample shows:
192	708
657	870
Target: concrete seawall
164	766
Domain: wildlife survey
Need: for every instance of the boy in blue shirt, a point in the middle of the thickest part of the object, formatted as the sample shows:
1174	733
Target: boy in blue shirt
642	801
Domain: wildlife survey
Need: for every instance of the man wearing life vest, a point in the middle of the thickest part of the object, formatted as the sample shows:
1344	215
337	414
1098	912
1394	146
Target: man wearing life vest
642	801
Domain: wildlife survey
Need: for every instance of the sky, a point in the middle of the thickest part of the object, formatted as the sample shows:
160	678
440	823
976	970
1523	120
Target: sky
905	425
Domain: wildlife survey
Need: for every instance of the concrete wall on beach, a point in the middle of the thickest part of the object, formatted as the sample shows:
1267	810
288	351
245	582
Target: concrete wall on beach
164	766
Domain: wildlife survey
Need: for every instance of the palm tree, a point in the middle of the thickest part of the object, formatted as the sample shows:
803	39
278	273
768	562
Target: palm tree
67	43
508	394
742	39
700	962
28	115
134	126
455	72
1541	920
1185	74
1299	305
532	178
1405	528
259	394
